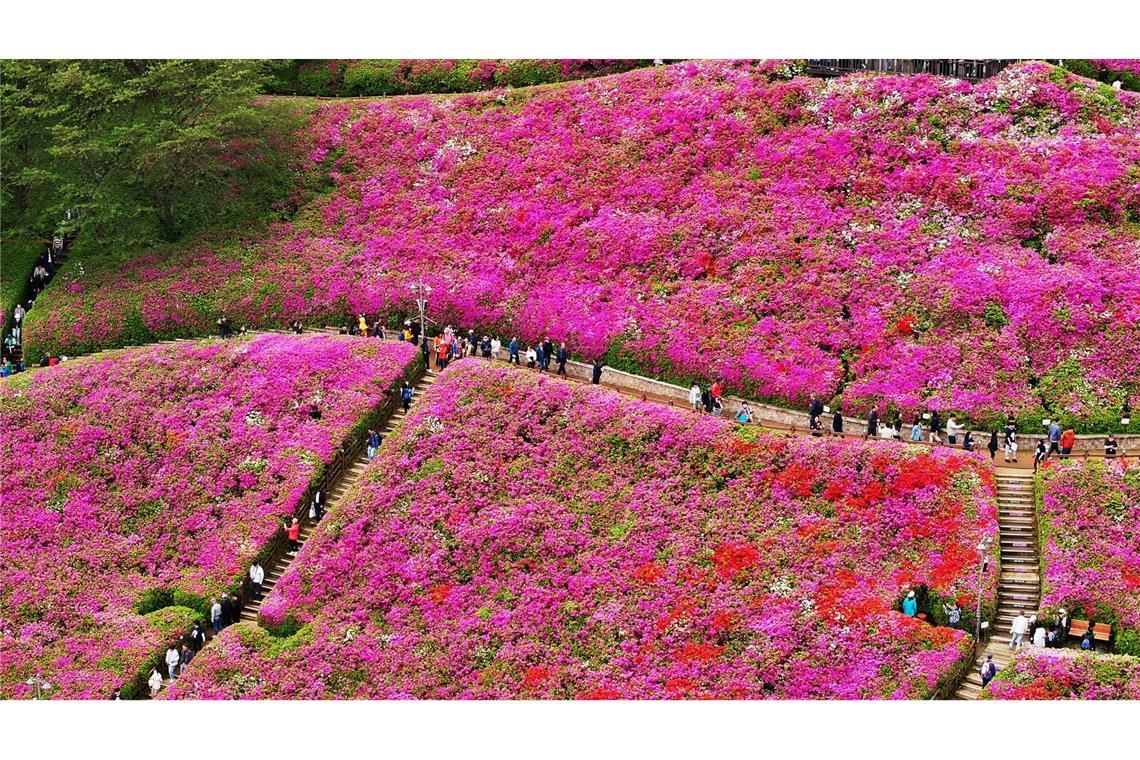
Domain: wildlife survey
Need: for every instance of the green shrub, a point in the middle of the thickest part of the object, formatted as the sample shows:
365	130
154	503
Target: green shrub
154	599
1128	642
17	260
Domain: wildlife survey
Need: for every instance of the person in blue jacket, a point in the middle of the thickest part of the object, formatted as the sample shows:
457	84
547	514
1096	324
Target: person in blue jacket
910	605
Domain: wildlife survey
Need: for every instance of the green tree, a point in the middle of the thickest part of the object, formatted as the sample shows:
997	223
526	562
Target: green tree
139	151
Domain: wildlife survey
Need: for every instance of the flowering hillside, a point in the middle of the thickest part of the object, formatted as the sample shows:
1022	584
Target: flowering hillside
1090	538
909	239
1059	674
519	537
164	468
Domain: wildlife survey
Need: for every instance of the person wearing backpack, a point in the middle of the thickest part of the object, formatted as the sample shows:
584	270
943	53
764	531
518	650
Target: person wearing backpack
953	613
406	397
989	670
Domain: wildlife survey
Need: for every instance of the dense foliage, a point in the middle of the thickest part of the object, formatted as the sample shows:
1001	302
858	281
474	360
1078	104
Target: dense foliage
17	260
1126	71
410	76
519	537
140	151
151	478
906	239
1090	544
1063	674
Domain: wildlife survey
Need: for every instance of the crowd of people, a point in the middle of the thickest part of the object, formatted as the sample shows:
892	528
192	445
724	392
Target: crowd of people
12	356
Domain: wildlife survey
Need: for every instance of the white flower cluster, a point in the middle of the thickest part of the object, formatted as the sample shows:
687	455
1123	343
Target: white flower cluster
255	419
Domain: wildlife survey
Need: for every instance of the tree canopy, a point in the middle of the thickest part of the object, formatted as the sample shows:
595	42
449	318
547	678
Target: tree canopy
140	151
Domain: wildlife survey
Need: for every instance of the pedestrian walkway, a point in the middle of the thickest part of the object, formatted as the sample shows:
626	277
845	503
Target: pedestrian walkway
58	259
1019	583
251	612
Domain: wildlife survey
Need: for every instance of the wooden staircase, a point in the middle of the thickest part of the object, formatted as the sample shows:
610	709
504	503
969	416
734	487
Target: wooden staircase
252	610
1019	585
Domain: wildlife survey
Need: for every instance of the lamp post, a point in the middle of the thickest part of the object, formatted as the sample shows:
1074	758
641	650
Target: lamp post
40	683
983	564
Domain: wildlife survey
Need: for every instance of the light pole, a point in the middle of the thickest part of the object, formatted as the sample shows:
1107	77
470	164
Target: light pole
983	564
40	683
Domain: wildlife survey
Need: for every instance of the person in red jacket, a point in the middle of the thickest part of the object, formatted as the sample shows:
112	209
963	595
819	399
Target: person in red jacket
293	531
1068	440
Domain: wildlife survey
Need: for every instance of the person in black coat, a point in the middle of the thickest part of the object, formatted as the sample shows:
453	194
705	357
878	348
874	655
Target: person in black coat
815	409
597	376
541	359
563	356
873	423
993	446
837	423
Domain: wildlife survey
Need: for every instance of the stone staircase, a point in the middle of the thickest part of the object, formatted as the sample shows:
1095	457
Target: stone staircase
252	610
1019	585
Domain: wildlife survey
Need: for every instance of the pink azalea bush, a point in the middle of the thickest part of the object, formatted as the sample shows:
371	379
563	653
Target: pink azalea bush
167	467
913	240
1090	539
519	537
1063	674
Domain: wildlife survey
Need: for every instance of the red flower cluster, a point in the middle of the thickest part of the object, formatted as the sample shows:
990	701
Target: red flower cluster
733	559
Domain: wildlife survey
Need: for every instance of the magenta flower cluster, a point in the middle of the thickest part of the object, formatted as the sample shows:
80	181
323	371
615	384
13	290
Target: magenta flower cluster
167	467
1090	536
520	537
1063	674
906	239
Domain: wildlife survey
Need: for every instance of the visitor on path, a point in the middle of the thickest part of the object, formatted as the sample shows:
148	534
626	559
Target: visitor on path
916	430
57	244
362	324
293	533
887	430
1068	440
989	670
1054	439
116	695
1010	444
1110	447
541	358
256	578
597	374
317	508
18	313
562	357
414	329
197	637
485	346
953	430
373	443
172	659
744	416
441	351
513	351
815	409
425	351
184	658
224	327
695	397
154	682
837	423
993	445
548	350
873	423
1039	454
531	358
230	610
1040	636
296	327
1062	621
910	605
1051	637
216	616
1017	631
717	407
953	613
1088	641
968	441
706	401
406	396
496	348
935	428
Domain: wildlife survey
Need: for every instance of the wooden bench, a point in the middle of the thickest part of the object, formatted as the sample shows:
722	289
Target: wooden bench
1101	631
